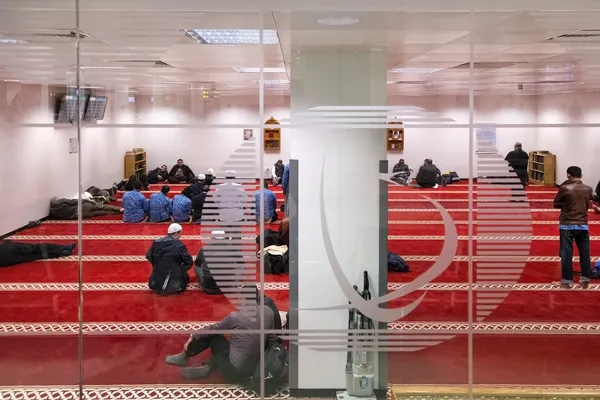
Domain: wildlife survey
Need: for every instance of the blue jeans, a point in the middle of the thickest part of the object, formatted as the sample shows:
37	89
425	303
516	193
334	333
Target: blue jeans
582	240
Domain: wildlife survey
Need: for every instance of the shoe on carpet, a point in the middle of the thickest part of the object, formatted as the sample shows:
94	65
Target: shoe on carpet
562	285
584	284
33	224
191	373
436	186
177	359
67	249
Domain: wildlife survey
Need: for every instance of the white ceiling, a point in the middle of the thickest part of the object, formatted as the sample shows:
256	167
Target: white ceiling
509	47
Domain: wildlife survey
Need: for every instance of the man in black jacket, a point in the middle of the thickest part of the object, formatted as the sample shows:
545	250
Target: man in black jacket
518	159
181	173
170	262
13	253
401	172
428	175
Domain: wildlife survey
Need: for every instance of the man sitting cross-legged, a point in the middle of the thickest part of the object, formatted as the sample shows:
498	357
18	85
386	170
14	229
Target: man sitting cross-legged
235	358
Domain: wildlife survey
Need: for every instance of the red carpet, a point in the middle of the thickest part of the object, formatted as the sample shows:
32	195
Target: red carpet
125	342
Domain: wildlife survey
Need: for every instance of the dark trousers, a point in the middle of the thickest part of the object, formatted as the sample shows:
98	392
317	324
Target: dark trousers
582	240
219	347
178	179
12	253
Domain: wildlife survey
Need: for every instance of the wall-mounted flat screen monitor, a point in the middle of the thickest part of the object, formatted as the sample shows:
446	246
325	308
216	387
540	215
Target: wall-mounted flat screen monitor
68	108
96	108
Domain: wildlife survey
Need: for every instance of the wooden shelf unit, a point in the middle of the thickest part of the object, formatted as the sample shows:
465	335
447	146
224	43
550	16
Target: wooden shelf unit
272	136
395	136
542	168
135	163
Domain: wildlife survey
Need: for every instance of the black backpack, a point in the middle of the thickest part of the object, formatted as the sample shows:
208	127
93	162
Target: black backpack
276	367
276	264
271	238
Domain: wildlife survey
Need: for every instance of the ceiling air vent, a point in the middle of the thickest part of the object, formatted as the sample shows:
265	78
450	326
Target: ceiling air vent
143	63
487	65
409	83
584	35
63	34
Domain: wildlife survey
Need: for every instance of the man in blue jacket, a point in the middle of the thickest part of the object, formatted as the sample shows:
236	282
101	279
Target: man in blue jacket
285	184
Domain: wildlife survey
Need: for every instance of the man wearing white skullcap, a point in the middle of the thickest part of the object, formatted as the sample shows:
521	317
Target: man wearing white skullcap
170	261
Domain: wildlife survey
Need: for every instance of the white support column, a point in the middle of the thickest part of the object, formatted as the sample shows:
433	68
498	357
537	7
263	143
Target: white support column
345	162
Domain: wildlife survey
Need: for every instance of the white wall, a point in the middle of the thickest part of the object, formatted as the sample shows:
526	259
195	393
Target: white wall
572	145
35	163
448	147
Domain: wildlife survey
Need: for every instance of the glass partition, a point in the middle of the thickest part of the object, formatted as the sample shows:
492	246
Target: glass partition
259	201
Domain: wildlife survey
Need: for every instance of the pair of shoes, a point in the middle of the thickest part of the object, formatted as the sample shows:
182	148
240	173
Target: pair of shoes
563	285
177	359
584	284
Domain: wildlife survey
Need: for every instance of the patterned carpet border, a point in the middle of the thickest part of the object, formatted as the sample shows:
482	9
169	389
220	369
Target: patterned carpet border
253	238
184	328
135	286
407	258
196	392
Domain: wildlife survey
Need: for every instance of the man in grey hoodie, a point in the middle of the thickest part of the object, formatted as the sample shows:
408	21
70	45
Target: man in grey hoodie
235	358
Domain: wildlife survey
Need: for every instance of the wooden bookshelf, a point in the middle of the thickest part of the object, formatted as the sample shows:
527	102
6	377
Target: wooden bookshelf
395	136
135	163
272	136
542	168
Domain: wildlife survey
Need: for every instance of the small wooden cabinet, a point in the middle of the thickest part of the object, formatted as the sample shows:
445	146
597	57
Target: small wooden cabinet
395	136
542	168
135	163
272	136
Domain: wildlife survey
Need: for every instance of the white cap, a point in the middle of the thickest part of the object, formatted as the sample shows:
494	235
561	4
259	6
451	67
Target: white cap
201	177
210	171
174	228
218	234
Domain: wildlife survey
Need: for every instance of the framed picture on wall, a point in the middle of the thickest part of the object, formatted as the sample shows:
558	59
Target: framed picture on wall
248	134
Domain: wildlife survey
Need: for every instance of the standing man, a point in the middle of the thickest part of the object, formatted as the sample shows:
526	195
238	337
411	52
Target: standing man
285	184
573	199
518	159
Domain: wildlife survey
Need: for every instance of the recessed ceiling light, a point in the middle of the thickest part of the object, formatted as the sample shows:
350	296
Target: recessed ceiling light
11	41
100	67
233	36
338	21
415	70
270	82
256	70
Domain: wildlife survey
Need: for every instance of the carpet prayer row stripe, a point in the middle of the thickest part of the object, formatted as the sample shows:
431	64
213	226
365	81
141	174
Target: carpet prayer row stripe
94	287
407	258
400	210
252	238
137	392
391	222
492	200
131	328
